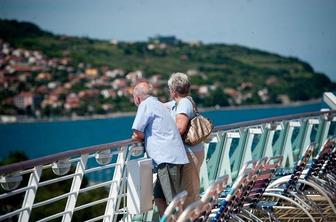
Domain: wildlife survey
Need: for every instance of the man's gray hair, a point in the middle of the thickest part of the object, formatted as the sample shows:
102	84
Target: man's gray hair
179	82
143	90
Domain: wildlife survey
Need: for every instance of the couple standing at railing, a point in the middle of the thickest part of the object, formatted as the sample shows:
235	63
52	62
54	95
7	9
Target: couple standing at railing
161	125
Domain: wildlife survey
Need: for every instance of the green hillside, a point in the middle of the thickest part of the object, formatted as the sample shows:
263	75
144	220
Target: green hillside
230	69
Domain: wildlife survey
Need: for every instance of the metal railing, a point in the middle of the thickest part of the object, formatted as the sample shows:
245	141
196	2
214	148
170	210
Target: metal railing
229	147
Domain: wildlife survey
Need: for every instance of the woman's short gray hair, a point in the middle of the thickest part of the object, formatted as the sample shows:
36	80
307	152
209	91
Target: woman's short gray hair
179	82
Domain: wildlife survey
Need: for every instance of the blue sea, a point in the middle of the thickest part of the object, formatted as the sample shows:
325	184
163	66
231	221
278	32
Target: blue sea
44	138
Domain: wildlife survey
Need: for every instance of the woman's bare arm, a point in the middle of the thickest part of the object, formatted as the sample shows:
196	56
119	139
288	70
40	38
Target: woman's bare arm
182	121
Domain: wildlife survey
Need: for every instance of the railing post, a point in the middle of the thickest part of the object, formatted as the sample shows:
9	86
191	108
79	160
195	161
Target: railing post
75	187
330	99
304	137
211	163
258	151
243	152
29	198
237	156
264	147
204	178
247	148
111	204
286	149
247	153
224	166
322	133
307	127
269	129
123	184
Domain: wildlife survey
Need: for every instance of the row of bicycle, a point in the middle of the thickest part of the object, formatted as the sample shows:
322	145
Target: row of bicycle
262	192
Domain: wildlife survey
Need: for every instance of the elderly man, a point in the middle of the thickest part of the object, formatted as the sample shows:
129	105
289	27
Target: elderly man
154	124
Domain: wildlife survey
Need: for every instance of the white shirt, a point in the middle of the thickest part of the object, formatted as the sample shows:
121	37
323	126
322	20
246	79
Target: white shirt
163	142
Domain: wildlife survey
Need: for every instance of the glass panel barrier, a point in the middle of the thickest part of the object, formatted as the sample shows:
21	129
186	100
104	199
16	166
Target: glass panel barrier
258	145
277	141
235	155
296	140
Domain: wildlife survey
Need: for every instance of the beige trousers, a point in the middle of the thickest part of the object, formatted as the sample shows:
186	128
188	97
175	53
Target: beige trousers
191	176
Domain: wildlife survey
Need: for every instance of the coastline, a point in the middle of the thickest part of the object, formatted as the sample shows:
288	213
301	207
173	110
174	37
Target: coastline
21	120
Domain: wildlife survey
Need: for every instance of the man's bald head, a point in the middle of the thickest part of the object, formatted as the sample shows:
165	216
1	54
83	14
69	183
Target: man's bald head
141	91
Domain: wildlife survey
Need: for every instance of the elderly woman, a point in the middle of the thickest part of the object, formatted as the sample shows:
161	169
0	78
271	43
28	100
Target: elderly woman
182	111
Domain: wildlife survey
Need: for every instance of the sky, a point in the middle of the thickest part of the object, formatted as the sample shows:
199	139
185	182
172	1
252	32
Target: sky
298	28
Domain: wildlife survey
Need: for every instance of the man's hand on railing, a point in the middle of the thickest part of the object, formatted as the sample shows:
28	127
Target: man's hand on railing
137	135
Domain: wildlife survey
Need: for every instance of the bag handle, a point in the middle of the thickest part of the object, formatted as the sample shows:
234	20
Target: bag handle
194	105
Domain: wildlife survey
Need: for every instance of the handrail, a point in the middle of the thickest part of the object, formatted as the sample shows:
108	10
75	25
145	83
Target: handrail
28	164
270	120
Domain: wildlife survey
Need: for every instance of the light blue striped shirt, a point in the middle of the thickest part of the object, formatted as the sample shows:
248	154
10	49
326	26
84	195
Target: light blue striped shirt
163	142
